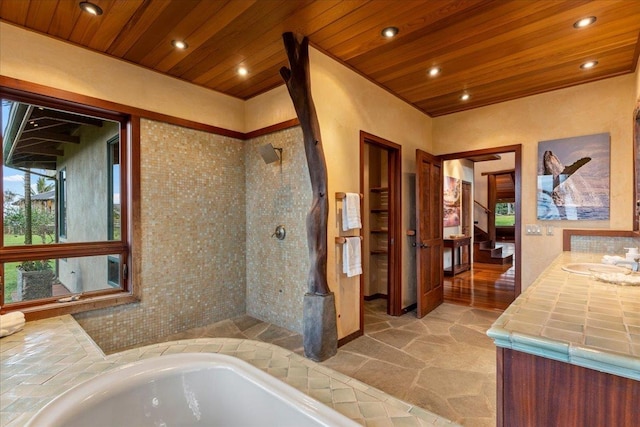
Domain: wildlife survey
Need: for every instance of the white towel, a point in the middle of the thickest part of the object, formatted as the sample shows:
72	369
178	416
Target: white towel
11	323
351	212
611	259
351	257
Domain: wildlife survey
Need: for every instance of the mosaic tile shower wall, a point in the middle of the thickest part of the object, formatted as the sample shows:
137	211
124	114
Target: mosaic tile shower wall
277	194
193	238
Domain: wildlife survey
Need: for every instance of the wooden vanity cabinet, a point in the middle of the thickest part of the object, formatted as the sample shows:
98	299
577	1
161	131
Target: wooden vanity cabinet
534	391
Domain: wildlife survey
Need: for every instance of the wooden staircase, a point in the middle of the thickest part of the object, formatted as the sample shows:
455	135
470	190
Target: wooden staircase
485	250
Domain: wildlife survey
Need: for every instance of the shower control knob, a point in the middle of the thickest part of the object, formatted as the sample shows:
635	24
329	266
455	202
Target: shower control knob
280	232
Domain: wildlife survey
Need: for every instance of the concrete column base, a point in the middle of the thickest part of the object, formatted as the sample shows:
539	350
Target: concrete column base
320	329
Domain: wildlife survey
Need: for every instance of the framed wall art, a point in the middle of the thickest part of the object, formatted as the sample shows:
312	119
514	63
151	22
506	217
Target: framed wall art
573	178
452	198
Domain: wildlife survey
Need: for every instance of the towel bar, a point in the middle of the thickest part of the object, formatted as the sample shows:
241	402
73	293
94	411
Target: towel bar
342	240
341	195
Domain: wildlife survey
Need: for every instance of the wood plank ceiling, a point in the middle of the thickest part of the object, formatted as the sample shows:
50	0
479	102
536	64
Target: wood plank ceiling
495	50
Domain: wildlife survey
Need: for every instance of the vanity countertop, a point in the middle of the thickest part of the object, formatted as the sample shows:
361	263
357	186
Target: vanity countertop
576	319
49	356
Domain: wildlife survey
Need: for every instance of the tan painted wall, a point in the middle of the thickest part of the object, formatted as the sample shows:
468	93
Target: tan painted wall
346	103
32	57
638	80
268	109
604	106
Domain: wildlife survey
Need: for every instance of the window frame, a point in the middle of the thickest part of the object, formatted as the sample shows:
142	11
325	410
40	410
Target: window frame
62	203
129	194
110	163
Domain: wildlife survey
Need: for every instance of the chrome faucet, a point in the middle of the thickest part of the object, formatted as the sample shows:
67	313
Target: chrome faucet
635	265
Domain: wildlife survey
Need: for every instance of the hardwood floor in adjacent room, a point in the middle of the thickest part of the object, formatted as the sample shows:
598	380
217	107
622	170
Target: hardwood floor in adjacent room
488	286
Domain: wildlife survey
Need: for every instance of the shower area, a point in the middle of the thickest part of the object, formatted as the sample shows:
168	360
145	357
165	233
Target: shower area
209	209
278	193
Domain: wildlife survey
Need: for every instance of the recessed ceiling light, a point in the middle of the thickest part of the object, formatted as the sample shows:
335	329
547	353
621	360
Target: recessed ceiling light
588	65
465	97
243	71
434	71
90	8
584	22
390	32
179	44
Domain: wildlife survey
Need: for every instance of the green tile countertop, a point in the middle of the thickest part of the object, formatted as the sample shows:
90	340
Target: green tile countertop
575	319
50	356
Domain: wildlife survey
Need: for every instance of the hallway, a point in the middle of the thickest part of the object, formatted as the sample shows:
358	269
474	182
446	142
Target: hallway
487	286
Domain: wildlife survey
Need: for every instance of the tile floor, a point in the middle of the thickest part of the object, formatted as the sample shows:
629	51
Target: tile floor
443	362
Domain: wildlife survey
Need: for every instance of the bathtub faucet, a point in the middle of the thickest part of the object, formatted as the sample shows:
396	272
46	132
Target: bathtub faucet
635	265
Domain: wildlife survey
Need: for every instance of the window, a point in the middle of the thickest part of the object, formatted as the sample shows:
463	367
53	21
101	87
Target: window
505	214
64	207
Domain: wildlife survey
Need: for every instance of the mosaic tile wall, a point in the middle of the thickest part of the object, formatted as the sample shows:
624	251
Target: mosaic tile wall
603	244
277	195
193	238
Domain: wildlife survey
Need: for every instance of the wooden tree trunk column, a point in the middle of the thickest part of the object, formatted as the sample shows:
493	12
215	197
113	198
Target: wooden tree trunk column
320	329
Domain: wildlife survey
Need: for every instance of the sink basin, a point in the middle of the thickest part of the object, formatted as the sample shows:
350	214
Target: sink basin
587	268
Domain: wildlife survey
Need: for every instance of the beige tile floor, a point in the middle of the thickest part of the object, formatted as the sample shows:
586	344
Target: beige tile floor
443	362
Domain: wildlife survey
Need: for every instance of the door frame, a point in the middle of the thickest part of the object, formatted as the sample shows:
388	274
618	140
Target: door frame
394	282
467	208
517	150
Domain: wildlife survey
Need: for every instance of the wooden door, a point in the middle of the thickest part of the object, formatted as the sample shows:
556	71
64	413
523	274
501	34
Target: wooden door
429	227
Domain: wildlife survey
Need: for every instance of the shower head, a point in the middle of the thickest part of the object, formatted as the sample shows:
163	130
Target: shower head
268	153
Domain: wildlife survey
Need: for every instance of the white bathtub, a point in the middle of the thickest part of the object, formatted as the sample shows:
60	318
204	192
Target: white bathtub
191	389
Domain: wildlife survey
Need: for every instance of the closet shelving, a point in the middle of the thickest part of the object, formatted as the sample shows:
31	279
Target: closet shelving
379	210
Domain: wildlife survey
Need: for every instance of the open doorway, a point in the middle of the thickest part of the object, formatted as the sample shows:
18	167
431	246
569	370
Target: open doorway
483	264
380	177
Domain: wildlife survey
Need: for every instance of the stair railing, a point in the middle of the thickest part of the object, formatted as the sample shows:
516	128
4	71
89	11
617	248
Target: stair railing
486	209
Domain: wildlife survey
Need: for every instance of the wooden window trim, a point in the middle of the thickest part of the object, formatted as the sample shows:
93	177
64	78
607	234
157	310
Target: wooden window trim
130	194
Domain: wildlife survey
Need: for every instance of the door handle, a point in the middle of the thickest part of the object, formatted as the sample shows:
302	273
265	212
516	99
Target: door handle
424	245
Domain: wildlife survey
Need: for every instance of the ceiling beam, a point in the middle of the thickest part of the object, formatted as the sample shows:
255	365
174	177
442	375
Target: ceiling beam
50	137
45	114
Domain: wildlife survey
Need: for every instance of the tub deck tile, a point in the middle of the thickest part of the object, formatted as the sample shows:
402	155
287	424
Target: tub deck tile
49	356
